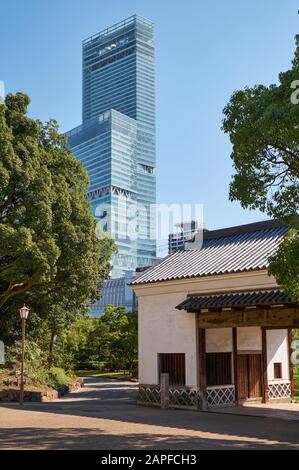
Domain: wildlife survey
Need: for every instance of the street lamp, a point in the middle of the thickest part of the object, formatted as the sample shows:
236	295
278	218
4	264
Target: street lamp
24	311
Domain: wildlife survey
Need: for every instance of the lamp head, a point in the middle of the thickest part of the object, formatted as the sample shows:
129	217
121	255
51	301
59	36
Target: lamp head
24	311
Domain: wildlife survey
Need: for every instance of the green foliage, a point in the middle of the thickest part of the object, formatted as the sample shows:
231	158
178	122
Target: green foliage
51	255
37	372
109	342
81	344
49	250
122	338
38	377
55	378
285	264
34	356
263	126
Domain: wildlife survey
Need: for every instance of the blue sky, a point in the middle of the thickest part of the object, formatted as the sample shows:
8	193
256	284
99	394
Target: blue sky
205	50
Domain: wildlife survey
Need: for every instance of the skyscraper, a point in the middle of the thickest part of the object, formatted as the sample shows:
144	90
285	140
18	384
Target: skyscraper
116	141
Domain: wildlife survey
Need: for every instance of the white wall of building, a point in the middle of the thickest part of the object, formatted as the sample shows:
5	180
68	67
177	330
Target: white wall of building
277	351
249	338
219	340
163	329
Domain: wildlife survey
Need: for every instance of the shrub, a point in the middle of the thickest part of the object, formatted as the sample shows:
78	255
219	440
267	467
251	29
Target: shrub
38	377
34	357
36	368
53	378
59	378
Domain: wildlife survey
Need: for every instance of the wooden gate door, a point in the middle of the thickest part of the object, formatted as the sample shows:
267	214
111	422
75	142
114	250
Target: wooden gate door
249	376
243	376
255	375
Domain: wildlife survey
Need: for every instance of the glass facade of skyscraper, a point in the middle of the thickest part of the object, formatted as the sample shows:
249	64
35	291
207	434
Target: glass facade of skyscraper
116	142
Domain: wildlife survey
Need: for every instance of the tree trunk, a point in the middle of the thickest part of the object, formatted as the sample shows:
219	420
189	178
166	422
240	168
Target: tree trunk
52	349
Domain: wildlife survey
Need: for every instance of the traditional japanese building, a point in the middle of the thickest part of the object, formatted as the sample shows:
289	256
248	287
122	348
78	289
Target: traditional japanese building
216	322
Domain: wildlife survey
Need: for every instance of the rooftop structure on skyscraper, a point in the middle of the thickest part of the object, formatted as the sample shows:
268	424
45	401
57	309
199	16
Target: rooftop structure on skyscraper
185	233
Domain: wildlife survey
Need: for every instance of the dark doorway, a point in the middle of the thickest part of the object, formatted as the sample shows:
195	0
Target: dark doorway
219	368
174	365
249	376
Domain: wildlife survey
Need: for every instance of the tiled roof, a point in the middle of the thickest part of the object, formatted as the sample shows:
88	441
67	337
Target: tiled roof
234	300
231	250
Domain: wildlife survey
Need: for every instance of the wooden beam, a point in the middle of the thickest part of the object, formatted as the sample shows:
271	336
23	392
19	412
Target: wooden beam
235	364
265	388
249	351
203	367
275	317
290	363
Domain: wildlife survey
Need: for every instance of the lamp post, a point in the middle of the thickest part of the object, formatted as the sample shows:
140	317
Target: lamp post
24	311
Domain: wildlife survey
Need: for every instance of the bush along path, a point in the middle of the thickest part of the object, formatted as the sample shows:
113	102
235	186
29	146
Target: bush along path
42	382
42	386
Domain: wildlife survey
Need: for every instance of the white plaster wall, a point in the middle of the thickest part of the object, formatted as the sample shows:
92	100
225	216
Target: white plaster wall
163	329
277	351
249	338
219	340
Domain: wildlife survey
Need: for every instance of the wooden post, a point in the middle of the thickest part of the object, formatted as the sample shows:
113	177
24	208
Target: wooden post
22	362
265	396
290	363
203	368
164	380
198	401
235	364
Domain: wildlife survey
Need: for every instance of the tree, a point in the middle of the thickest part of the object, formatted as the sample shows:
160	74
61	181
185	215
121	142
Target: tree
50	254
108	342
82	346
122	337
263	126
59	315
285	264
